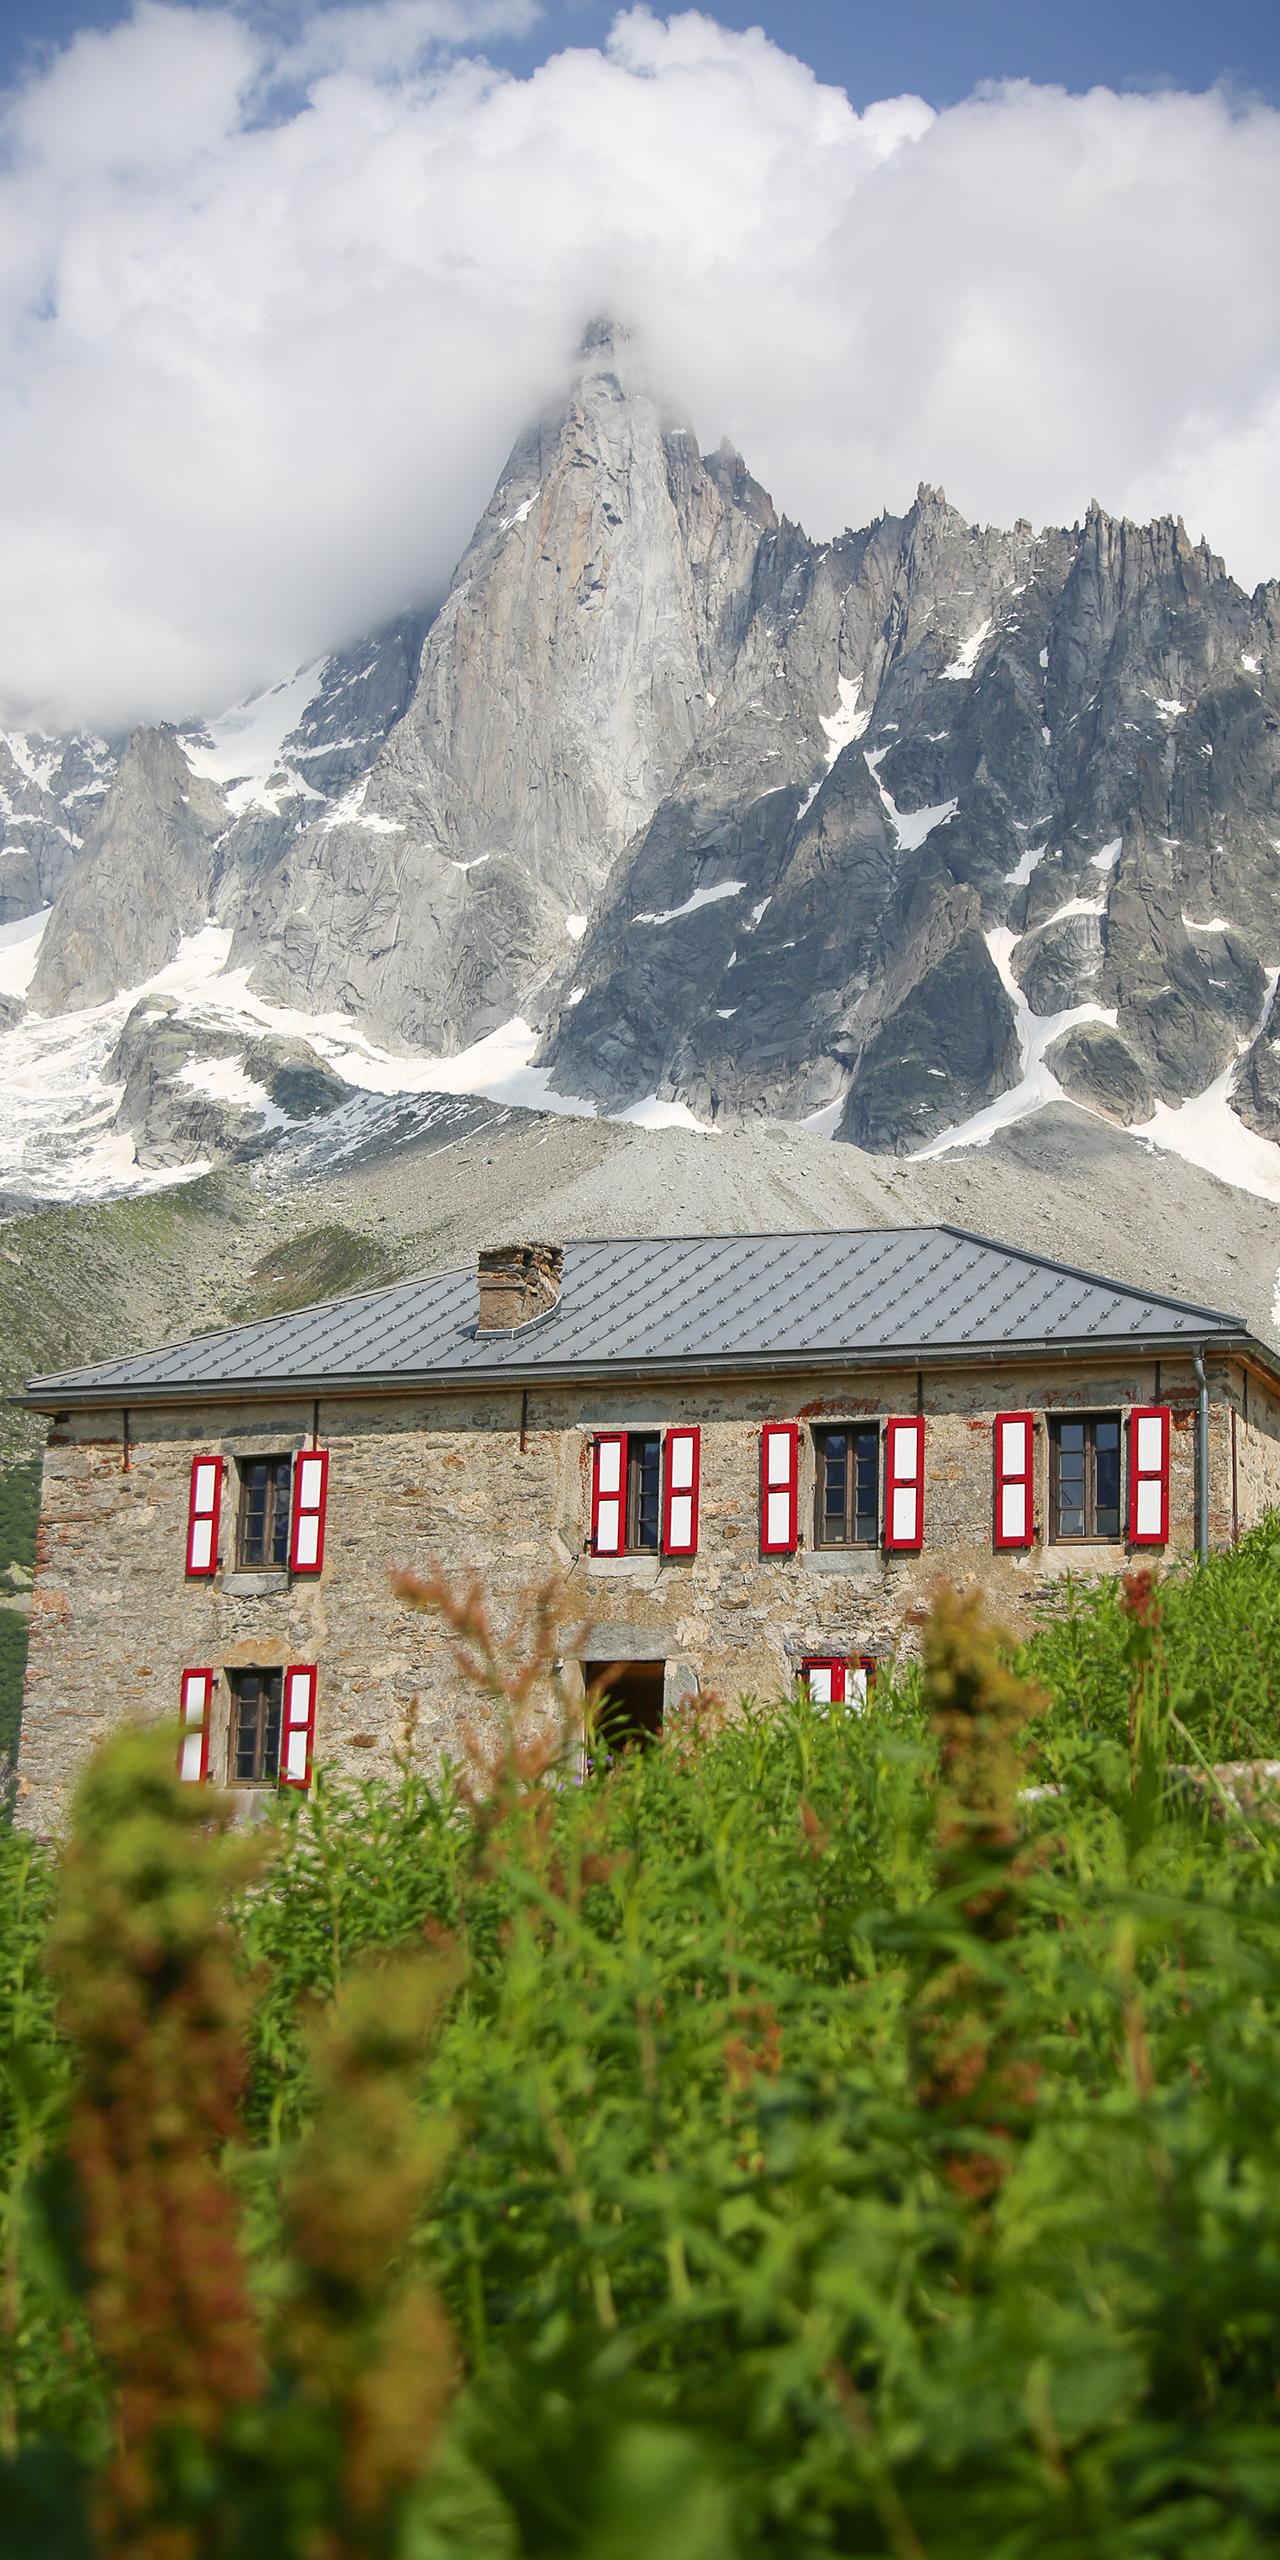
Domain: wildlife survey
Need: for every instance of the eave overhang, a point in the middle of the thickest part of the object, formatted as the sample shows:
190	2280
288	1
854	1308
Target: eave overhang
50	1396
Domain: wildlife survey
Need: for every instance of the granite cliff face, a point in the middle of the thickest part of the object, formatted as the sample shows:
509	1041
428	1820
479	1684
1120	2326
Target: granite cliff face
916	829
563	686
51	789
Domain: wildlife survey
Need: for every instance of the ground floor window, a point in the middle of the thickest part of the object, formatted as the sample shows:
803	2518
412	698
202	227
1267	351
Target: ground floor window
1084	1477
255	1726
624	1706
837	1679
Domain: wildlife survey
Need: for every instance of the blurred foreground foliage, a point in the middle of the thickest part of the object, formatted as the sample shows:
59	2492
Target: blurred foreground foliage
798	2139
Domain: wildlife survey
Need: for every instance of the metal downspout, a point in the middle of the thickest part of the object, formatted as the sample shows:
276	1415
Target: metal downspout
1202	1459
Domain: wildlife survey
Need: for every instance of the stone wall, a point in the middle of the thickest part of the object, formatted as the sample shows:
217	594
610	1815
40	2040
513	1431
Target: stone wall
1254	1447
444	1478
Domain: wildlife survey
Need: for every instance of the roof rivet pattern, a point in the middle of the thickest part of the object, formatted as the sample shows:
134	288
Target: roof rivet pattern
666	1301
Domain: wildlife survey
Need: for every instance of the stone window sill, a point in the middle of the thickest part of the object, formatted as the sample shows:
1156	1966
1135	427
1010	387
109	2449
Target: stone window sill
625	1568
246	1586
848	1560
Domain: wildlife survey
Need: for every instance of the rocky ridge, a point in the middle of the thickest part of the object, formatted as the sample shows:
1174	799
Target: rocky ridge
902	835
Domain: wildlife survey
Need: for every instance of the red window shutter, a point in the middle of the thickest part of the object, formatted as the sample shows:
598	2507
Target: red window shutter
904	1485
779	1488
298	1724
1014	1444
863	1678
608	1492
193	1742
683	1456
202	1516
1149	1475
824	1676
310	1493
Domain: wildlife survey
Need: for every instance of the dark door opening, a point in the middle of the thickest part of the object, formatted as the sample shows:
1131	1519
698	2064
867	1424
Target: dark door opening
624	1706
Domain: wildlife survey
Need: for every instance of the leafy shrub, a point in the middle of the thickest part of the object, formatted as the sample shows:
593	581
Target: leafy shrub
818	2144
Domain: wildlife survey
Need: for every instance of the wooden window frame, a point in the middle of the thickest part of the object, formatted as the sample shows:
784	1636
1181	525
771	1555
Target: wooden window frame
1092	1536
263	1673
851	1431
264	1564
632	1472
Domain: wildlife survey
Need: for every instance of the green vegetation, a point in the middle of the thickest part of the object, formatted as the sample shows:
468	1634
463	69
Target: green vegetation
322	1262
19	1512
797	2140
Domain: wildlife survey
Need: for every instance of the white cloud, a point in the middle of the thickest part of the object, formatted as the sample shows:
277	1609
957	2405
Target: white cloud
272	310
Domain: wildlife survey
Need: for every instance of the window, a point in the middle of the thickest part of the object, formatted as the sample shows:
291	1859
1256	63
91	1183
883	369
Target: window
837	1679
1084	1477
644	1492
848	1512
255	1727
262	1535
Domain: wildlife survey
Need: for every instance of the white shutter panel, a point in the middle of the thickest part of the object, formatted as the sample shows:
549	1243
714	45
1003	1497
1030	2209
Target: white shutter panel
779	1488
608	1492
310	1494
680	1491
297	1724
1149	1476
824	1676
193	1742
1014	1479
904	1484
202	1516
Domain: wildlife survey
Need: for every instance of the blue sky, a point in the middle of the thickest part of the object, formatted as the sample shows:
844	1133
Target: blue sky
877	48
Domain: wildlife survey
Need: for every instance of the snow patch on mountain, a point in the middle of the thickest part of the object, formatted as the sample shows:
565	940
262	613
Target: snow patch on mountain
654	1113
846	722
699	898
225	1080
1204	1130
1025	865
966	657
1037	1083
20	950
241	749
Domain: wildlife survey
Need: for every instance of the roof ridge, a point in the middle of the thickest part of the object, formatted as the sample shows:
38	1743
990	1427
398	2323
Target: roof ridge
1095	1279
772	1235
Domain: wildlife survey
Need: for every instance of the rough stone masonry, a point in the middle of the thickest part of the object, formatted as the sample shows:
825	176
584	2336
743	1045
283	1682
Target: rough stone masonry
490	1477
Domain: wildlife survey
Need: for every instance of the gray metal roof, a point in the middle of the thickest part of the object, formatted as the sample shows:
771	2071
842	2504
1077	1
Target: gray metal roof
664	1304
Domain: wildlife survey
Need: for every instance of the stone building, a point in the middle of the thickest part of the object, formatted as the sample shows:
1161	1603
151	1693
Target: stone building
749	1456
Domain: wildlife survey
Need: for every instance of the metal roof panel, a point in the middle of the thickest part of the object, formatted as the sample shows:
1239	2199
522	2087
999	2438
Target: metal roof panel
670	1300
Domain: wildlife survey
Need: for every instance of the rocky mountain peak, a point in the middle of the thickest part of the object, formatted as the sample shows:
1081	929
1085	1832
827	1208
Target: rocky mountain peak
565	681
145	878
909	832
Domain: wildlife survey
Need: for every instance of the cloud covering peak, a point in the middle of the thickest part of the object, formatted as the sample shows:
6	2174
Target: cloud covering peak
273	308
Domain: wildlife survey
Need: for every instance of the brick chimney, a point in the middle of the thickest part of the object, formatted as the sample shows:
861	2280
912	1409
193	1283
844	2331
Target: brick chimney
517	1283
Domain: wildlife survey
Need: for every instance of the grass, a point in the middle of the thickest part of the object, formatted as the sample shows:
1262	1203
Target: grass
19	1512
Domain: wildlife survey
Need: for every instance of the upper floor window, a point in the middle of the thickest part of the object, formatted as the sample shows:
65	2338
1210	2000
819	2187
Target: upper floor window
644	1492
256	1701
848	1487
262	1528
1084	1477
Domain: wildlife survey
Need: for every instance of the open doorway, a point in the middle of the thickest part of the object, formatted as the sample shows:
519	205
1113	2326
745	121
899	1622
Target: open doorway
624	1705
